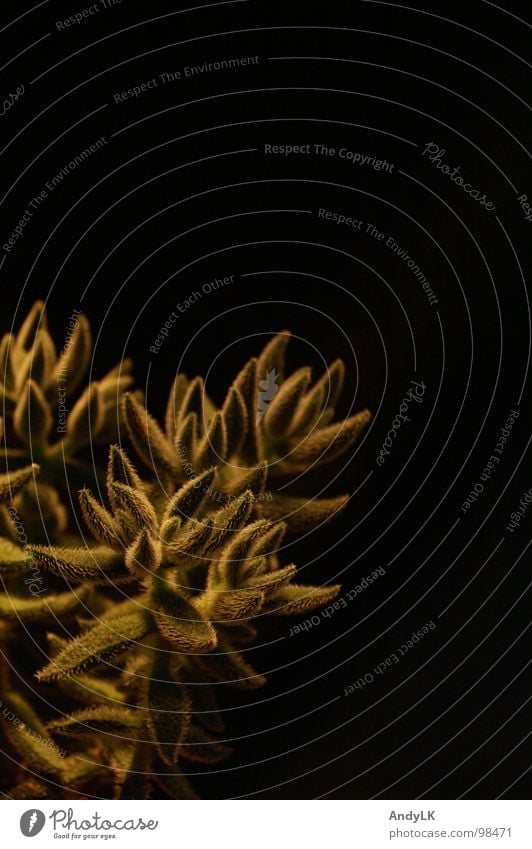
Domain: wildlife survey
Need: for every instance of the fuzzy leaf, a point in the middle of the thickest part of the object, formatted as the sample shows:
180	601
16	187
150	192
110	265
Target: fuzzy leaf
175	785
12	557
168	717
299	599
14	608
269	542
13	482
135	504
234	604
273	356
235	419
99	565
121	470
85	419
308	412
147	437
144	554
97	645
212	448
116	720
190	497
101	524
246	384
300	514
325	444
7	366
32	419
233	560
74	359
173	408
229	667
273	581
332	382
281	410
229	519
35	319
179	622
253	479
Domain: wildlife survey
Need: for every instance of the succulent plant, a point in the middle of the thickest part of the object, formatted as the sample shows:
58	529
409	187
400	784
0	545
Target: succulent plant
193	577
38	386
268	429
142	622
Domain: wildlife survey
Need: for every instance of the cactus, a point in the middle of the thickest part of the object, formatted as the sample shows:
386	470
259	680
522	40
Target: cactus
181	565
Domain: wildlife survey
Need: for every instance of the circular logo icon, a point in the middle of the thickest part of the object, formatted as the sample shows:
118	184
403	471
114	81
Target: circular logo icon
32	822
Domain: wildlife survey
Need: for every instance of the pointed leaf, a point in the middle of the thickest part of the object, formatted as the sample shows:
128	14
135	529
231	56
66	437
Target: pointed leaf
75	357
148	439
213	447
325	444
235	419
278	416
14	481
116	720
201	747
97	645
180	622
101	524
14	608
98	565
168	717
300	599
300	514
32	419
229	667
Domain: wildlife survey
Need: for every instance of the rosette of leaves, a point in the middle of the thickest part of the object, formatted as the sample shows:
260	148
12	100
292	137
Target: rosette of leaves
49	418
270	428
193	577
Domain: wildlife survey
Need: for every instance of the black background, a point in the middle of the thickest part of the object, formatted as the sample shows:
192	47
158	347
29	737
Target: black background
185	193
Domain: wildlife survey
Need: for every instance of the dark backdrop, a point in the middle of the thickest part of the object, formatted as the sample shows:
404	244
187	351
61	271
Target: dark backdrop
182	193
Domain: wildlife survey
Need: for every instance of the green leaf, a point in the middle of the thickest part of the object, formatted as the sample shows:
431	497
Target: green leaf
98	565
97	645
229	519
121	470
179	621
299	599
116	720
15	608
168	716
